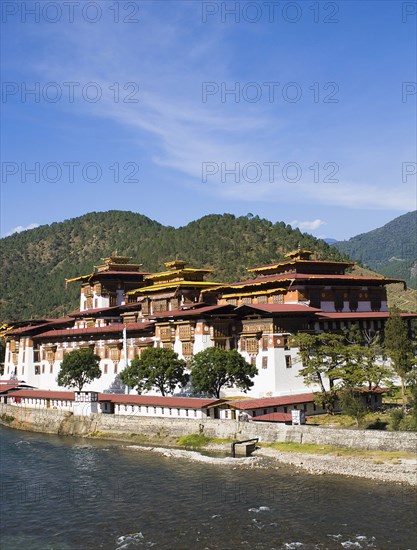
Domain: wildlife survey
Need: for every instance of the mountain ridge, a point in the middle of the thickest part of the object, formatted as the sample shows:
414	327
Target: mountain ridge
390	249
54	252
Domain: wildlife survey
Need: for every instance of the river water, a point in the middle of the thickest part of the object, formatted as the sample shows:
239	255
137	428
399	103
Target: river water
63	493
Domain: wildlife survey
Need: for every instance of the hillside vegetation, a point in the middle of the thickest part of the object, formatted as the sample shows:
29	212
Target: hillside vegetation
390	250
35	263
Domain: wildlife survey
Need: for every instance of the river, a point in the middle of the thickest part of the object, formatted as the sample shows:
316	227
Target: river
64	493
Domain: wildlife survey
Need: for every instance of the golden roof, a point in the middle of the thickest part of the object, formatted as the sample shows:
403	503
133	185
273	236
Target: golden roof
171	285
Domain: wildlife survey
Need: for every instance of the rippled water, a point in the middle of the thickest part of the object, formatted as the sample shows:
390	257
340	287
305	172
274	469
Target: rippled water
64	493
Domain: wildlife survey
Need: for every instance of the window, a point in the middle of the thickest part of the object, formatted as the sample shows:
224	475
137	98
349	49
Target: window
265	343
186	412
253	413
170	411
184	332
264	362
105	369
51	368
252	345
113	353
187	349
154	410
265	411
159	305
278	299
305	406
288	361
285	409
286	345
165	333
246	300
195	413
275	409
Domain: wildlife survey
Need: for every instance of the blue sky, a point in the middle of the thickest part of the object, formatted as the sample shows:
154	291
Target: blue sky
150	106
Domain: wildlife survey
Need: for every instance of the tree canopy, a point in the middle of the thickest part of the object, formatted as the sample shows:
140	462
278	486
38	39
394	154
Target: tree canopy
215	368
158	368
321	355
79	367
348	361
399	348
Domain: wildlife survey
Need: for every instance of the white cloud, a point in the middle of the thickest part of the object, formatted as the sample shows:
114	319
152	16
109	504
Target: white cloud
308	225
20	228
182	132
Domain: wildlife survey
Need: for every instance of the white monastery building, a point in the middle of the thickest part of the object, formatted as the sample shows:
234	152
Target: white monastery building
124	310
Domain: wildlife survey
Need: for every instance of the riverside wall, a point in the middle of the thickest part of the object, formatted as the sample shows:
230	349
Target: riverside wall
167	430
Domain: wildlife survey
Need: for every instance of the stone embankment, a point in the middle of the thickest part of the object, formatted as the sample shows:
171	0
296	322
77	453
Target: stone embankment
402	470
165	432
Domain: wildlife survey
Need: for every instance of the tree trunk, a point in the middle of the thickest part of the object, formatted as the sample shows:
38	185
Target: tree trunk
403	393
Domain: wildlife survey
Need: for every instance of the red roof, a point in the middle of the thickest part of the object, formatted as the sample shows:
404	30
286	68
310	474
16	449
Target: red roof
193	312
158	400
282	308
273	417
147	400
45	394
93	311
4	388
49	323
266	402
364	315
114	328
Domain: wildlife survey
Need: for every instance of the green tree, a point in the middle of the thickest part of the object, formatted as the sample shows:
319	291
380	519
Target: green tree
322	356
78	368
156	368
365	354
352	404
398	347
215	368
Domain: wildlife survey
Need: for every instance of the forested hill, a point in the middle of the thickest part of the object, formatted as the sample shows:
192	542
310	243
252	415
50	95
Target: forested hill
35	263
390	250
